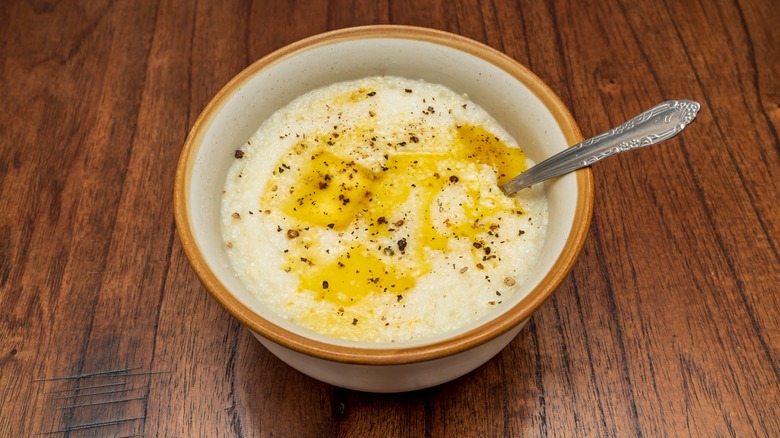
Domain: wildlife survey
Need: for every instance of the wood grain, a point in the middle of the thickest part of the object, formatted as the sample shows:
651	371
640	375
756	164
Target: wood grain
668	324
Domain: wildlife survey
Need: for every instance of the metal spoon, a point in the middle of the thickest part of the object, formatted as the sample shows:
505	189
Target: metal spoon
655	125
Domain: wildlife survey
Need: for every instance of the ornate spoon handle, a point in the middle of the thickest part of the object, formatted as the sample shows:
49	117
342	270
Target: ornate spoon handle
655	125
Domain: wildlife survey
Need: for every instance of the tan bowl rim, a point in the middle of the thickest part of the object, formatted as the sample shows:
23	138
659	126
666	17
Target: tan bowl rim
400	355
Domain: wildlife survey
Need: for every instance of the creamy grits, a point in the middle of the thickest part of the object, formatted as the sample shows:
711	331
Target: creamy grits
370	210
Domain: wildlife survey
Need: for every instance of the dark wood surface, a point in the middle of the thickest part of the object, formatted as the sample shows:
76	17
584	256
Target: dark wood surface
669	323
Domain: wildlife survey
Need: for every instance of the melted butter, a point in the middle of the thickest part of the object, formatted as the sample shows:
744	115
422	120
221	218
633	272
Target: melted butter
352	97
476	143
337	194
328	191
354	275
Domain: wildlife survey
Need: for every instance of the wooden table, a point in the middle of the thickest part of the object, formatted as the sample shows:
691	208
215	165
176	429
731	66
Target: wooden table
668	324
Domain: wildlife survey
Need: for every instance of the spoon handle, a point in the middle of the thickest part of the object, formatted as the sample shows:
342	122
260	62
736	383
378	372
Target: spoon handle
655	125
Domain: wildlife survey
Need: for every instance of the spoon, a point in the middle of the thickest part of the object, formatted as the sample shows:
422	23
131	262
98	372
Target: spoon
655	125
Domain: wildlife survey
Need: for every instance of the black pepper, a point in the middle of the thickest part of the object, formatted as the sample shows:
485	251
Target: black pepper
402	244
239	154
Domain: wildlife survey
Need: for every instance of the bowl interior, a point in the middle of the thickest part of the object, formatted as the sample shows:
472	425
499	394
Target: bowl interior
523	105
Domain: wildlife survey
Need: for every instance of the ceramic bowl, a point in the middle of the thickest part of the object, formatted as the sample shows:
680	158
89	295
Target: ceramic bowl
518	99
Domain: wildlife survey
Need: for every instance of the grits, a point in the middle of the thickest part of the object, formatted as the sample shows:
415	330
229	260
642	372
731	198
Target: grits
370	210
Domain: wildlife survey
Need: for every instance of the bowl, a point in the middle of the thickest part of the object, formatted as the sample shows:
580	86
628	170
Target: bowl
526	107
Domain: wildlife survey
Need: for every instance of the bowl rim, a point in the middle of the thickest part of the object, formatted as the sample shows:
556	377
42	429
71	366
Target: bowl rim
390	355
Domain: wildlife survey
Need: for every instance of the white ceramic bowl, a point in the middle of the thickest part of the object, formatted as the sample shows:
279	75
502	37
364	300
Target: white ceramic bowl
518	99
